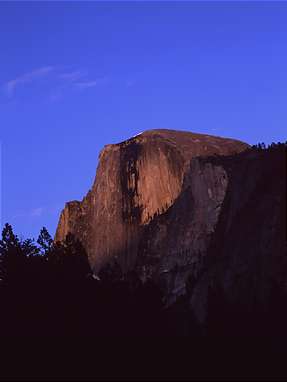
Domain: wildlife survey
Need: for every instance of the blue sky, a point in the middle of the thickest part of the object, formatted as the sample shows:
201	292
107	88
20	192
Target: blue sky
76	76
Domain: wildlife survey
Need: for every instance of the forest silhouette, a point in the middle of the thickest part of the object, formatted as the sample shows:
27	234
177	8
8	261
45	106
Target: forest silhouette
48	288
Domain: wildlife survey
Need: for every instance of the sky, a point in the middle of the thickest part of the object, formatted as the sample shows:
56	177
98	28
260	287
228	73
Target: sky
75	76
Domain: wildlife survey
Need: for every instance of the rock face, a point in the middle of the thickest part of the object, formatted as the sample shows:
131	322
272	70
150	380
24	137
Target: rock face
247	257
203	216
175	243
154	204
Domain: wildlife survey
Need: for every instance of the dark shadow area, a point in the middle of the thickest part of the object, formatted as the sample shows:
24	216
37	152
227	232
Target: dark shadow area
48	289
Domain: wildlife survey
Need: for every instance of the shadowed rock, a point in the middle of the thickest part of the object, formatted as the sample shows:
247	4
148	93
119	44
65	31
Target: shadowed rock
128	214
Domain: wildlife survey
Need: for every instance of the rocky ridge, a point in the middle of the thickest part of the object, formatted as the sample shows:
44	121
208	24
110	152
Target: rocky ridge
129	214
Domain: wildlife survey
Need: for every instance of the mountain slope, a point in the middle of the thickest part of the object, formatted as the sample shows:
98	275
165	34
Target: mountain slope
247	257
136	181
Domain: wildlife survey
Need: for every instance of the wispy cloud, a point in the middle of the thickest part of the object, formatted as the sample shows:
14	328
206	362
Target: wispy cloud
72	76
62	81
27	78
38	212
71	83
86	84
79	79
33	213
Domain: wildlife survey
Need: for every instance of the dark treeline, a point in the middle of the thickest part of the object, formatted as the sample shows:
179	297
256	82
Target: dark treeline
48	288
271	146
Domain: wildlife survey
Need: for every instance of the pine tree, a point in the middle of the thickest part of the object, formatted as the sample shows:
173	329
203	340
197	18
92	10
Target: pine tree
9	240
71	259
29	248
12	256
45	241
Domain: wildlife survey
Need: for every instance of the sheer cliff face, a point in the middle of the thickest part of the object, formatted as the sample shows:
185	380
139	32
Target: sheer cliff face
182	234
247	253
138	182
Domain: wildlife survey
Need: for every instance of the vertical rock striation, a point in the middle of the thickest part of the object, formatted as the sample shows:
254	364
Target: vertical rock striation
247	256
175	244
139	186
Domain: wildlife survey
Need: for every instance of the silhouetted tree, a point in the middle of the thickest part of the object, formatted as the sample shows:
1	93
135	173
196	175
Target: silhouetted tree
12	256
45	241
70	259
29	248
